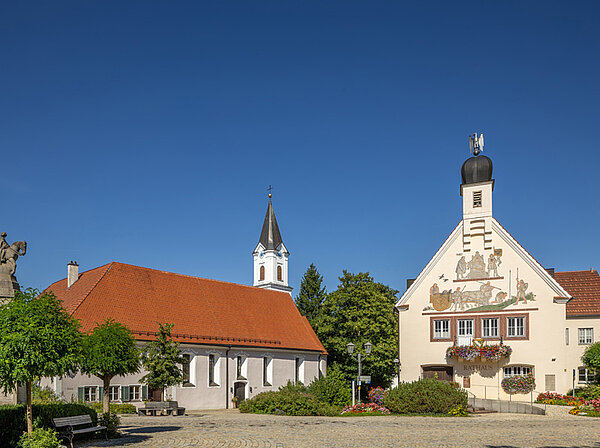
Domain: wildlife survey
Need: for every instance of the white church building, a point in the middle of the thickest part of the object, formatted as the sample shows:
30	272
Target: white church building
240	340
483	289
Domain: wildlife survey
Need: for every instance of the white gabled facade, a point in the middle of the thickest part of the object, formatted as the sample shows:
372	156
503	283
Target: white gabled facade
483	286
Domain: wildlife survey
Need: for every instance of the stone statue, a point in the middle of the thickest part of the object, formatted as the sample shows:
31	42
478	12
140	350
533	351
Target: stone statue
9	253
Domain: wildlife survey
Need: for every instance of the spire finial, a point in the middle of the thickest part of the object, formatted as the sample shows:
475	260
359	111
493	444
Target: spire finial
476	143
269	190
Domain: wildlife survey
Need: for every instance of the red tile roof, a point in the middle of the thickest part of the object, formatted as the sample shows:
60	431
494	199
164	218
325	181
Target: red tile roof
584	286
203	311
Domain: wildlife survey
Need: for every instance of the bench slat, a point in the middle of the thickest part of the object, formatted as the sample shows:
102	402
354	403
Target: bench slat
72	421
84	430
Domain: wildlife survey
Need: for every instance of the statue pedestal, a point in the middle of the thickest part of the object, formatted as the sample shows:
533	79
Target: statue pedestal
8	286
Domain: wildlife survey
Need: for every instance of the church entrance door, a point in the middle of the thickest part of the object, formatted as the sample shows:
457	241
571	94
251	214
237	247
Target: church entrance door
239	392
444	373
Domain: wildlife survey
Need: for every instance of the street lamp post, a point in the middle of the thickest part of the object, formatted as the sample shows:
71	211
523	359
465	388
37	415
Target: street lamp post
368	347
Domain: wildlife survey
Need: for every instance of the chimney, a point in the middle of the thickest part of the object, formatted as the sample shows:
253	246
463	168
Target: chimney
72	273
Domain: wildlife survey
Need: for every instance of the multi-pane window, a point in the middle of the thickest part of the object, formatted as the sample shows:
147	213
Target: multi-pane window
267	371
584	375
516	370
113	392
90	393
240	370
212	369
441	329
299	370
465	331
489	327
515	326
134	392
586	336
186	369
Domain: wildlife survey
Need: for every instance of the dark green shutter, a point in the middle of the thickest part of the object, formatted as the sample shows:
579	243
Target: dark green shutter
100	394
80	394
144	392
124	393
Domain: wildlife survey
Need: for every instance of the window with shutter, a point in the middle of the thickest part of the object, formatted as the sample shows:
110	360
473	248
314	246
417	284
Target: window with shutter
125	393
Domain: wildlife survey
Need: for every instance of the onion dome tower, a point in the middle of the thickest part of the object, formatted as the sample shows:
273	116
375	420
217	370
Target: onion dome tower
476	189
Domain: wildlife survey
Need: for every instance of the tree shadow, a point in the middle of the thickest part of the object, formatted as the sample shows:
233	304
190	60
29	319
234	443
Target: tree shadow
151	429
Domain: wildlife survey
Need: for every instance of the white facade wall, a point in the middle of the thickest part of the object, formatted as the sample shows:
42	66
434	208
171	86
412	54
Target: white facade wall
203	396
544	349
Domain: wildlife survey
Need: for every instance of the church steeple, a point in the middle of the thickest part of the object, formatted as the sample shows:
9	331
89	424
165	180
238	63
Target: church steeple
271	255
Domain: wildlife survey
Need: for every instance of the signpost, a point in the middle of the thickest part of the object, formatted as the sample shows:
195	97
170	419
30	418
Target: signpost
364	378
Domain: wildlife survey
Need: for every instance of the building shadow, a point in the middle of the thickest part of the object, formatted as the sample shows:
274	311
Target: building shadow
151	429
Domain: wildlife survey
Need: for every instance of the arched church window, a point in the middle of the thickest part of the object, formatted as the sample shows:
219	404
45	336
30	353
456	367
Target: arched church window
279	274
262	273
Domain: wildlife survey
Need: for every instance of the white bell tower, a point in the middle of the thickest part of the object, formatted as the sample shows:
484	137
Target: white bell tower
271	256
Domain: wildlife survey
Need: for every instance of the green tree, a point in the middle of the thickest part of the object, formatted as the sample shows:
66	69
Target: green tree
311	295
591	359
108	351
359	311
38	338
161	359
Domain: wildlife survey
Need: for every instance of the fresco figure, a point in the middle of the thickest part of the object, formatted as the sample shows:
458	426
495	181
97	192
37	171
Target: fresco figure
486	293
493	263
477	266
521	291
461	268
500	297
457	299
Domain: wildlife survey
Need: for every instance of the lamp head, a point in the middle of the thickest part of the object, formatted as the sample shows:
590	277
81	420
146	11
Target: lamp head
368	347
350	348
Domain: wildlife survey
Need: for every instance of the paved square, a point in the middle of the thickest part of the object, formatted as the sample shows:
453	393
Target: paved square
232	429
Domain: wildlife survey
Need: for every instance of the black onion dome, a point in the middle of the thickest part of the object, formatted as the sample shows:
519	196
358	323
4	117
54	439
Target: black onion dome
476	169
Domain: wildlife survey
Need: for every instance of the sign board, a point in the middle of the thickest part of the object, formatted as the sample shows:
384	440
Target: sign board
365	378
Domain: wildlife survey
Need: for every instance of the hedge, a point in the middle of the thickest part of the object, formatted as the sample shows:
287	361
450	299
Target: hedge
13	422
115	408
426	396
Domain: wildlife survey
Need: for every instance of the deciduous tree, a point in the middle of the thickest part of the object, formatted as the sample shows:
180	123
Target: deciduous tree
108	351
162	358
311	295
38	338
591	359
359	311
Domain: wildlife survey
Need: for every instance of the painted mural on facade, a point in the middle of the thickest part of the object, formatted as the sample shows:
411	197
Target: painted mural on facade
481	286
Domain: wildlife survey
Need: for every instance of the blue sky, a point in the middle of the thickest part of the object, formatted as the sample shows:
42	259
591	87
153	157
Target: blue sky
148	132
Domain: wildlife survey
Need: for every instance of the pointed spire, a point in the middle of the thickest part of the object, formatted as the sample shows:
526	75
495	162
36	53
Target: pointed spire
270	237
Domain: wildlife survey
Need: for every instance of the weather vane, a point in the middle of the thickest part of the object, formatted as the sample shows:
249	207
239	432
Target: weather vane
476	143
269	190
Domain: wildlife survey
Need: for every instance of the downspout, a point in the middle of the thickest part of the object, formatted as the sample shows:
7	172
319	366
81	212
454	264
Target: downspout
227	377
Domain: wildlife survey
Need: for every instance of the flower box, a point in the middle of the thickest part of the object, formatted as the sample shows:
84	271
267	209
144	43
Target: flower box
472	352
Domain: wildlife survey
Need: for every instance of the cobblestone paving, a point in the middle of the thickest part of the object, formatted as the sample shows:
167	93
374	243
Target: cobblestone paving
231	429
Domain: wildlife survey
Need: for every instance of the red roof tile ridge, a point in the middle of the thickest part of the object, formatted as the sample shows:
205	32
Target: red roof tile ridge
108	266
196	277
584	271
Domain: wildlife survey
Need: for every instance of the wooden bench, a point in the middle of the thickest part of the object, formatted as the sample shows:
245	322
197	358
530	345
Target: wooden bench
69	427
161	408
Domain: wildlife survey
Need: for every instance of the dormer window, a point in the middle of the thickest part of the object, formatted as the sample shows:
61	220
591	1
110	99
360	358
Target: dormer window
477	199
262	273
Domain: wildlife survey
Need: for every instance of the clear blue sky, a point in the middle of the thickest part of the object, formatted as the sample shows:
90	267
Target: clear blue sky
148	132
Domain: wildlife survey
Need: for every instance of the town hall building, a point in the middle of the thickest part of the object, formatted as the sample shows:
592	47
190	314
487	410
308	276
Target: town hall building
484	308
239	340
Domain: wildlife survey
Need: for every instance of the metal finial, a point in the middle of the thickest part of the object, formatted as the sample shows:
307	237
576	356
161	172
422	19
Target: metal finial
476	143
269	190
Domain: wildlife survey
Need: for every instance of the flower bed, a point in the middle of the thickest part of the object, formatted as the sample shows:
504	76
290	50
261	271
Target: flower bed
376	395
471	352
559	399
518	384
366	408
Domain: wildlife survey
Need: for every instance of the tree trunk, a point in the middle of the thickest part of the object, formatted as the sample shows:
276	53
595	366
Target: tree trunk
106	395
29	411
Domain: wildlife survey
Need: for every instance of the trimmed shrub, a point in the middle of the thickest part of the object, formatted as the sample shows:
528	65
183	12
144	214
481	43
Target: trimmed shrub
333	388
40	438
288	400
112	424
590	392
115	408
426	396
13	423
